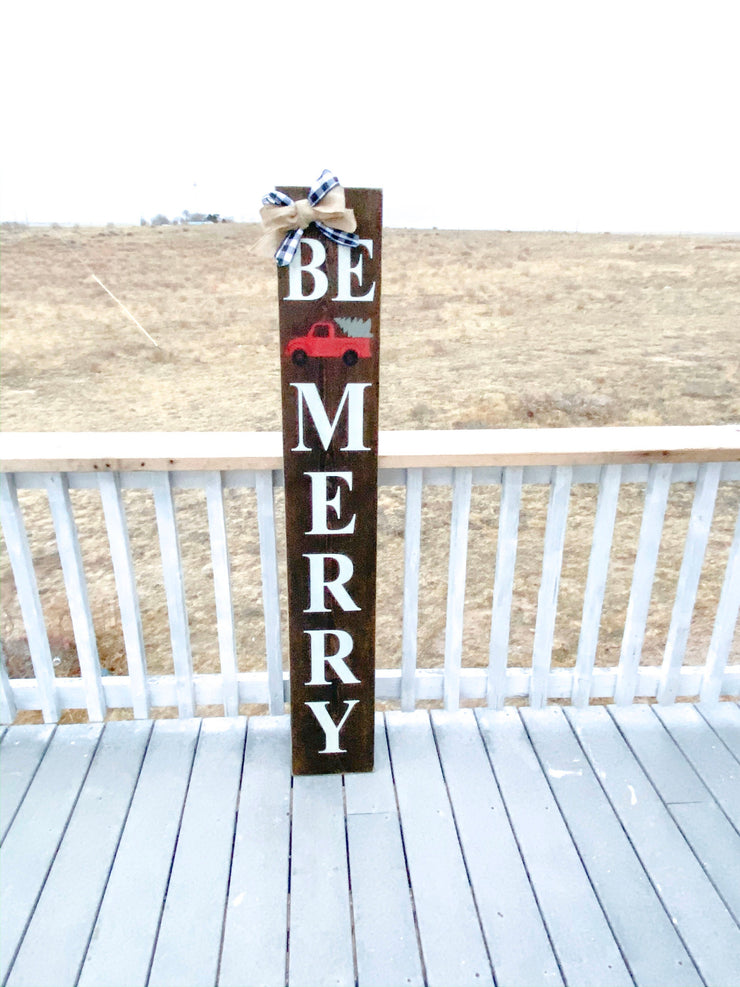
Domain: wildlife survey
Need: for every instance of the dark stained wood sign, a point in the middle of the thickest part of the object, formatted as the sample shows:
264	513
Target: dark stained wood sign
329	298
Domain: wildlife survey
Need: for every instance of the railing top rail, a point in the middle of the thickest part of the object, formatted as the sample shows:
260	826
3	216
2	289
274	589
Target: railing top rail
136	451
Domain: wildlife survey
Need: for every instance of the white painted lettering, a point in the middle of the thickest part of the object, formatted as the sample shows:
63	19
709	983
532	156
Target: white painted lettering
319	657
330	728
353	396
317	583
345	270
313	268
320	504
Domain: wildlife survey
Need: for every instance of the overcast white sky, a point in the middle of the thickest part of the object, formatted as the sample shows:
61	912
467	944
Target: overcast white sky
508	114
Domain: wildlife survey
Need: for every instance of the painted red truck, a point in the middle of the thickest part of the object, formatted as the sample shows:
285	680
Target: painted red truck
325	339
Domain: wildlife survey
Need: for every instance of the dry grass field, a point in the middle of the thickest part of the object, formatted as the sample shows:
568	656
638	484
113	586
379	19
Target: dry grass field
479	330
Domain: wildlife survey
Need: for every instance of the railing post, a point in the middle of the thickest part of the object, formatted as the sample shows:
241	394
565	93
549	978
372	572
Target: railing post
412	556
724	624
109	485
21	562
270	588
547	601
174	586
598	567
222	591
503	585
705	495
8	708
651	529
461	492
57	490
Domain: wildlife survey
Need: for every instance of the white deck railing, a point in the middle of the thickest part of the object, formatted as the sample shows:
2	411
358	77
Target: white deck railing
498	470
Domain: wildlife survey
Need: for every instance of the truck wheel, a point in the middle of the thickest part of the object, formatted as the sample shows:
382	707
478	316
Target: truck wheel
350	358
299	358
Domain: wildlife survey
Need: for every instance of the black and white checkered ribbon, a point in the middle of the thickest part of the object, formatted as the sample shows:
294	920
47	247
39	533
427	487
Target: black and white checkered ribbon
324	184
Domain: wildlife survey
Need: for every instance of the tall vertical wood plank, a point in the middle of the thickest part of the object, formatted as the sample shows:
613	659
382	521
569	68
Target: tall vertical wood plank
114	512
547	601
462	485
702	511
174	585
598	568
265	481
503	585
724	624
411	563
330	340
57	490
222	591
651	529
21	563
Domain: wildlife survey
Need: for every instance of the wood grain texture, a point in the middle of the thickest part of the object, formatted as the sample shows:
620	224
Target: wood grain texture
141	451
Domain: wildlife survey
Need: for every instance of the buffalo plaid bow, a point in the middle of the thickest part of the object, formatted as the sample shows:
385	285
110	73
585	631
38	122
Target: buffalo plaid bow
319	190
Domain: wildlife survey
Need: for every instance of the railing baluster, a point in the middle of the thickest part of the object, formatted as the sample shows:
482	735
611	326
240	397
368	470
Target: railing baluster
270	588
598	567
8	708
411	562
174	586
547	601
702	511
503	584
222	591
57	490
461	492
21	562
109	485
724	624
651	529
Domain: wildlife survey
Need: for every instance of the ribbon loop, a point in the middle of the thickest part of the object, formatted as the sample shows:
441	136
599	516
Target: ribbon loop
284	220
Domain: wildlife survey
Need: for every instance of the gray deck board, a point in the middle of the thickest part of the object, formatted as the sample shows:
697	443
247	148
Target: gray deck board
56	940
648	939
256	928
585	946
712	837
452	942
708	754
707	928
21	751
189	939
32	841
385	933
320	919
125	933
516	847
724	719
503	892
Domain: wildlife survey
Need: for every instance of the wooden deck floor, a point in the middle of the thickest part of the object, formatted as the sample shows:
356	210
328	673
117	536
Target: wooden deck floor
584	847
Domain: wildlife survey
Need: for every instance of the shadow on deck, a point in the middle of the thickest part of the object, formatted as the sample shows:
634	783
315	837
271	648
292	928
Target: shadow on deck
580	846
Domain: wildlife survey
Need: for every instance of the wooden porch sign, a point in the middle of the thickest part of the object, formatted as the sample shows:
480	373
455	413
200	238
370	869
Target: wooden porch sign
329	301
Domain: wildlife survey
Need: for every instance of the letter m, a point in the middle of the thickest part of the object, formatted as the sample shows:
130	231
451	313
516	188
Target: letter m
353	397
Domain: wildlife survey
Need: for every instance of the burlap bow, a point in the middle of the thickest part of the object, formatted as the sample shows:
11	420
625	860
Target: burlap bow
284	220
